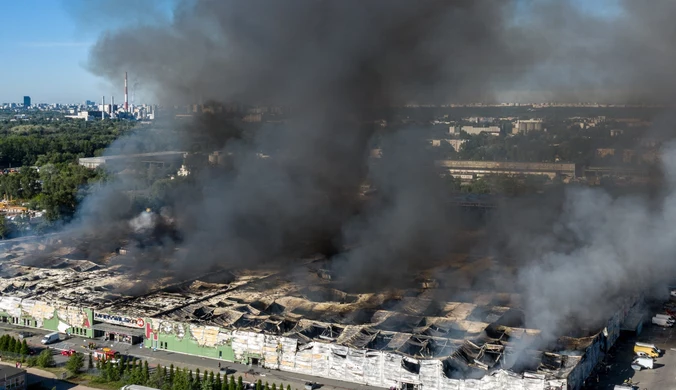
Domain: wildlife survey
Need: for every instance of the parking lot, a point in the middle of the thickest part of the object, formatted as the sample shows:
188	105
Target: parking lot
662	376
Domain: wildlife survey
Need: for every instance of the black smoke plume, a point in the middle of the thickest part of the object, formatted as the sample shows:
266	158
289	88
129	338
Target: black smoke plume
340	66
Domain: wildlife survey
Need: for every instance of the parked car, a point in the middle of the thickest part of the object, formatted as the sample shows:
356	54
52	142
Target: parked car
69	352
25	335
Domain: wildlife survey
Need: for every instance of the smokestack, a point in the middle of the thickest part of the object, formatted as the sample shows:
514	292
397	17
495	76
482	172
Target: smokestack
126	95
103	107
112	104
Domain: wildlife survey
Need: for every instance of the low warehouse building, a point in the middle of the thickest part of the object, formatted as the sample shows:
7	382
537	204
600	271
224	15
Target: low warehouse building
410	339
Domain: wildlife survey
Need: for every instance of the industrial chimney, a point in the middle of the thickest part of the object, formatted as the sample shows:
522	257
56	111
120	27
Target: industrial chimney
112	104
103	107
126	96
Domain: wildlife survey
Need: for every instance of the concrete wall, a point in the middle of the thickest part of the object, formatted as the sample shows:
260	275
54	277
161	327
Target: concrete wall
208	341
322	359
38	314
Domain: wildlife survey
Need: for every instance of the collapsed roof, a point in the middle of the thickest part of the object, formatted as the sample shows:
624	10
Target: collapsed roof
472	331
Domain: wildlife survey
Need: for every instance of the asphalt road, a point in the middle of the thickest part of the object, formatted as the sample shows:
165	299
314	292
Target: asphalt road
166	358
661	377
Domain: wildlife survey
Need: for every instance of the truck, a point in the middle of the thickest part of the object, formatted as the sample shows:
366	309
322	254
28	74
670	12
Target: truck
663	322
641	363
648	350
50	338
106	355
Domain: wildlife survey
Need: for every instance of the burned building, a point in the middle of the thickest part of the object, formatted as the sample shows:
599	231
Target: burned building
432	335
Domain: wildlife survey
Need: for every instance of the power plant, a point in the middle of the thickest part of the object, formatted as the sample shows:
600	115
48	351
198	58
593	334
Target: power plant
126	95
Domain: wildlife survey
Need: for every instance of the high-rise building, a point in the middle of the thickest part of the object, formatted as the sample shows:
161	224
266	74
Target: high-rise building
26	101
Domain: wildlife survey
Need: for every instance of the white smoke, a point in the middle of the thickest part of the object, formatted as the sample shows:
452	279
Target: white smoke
144	222
622	246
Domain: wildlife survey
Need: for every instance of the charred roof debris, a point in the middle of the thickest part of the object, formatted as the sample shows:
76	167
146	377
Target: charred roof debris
419	337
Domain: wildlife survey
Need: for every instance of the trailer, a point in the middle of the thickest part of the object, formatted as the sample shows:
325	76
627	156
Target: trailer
662	322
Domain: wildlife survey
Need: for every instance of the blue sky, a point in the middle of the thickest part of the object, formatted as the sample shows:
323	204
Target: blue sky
45	44
44	54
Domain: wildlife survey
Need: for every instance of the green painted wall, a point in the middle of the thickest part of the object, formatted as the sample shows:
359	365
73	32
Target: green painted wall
188	345
53	323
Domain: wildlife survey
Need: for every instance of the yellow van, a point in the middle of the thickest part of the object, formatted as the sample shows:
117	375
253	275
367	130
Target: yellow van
648	349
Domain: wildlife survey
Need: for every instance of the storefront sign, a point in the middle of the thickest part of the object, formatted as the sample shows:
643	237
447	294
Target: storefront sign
120	320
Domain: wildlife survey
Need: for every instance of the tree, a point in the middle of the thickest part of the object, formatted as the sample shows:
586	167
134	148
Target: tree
17	346
157	378
25	351
112	371
231	385
259	385
274	386
288	387
180	381
121	365
12	342
196	382
4	341
5	228
32	361
146	372
90	364
171	373
75	363
207	384
218	383
240	384
45	359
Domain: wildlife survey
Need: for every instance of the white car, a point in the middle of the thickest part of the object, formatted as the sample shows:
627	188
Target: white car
673	293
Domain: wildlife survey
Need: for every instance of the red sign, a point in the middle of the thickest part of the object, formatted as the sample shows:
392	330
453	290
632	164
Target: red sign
140	322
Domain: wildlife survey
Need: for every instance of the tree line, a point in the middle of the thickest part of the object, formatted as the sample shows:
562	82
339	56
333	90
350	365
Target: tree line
132	371
39	142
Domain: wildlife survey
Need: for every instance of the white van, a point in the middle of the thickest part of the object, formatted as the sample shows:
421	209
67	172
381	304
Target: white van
641	363
50	338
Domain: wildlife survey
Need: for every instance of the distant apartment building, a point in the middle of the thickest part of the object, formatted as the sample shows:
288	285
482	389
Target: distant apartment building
475	130
86	115
26	101
456	143
526	126
474	169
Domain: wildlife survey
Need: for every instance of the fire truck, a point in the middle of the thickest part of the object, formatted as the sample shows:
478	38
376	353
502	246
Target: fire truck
106	354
